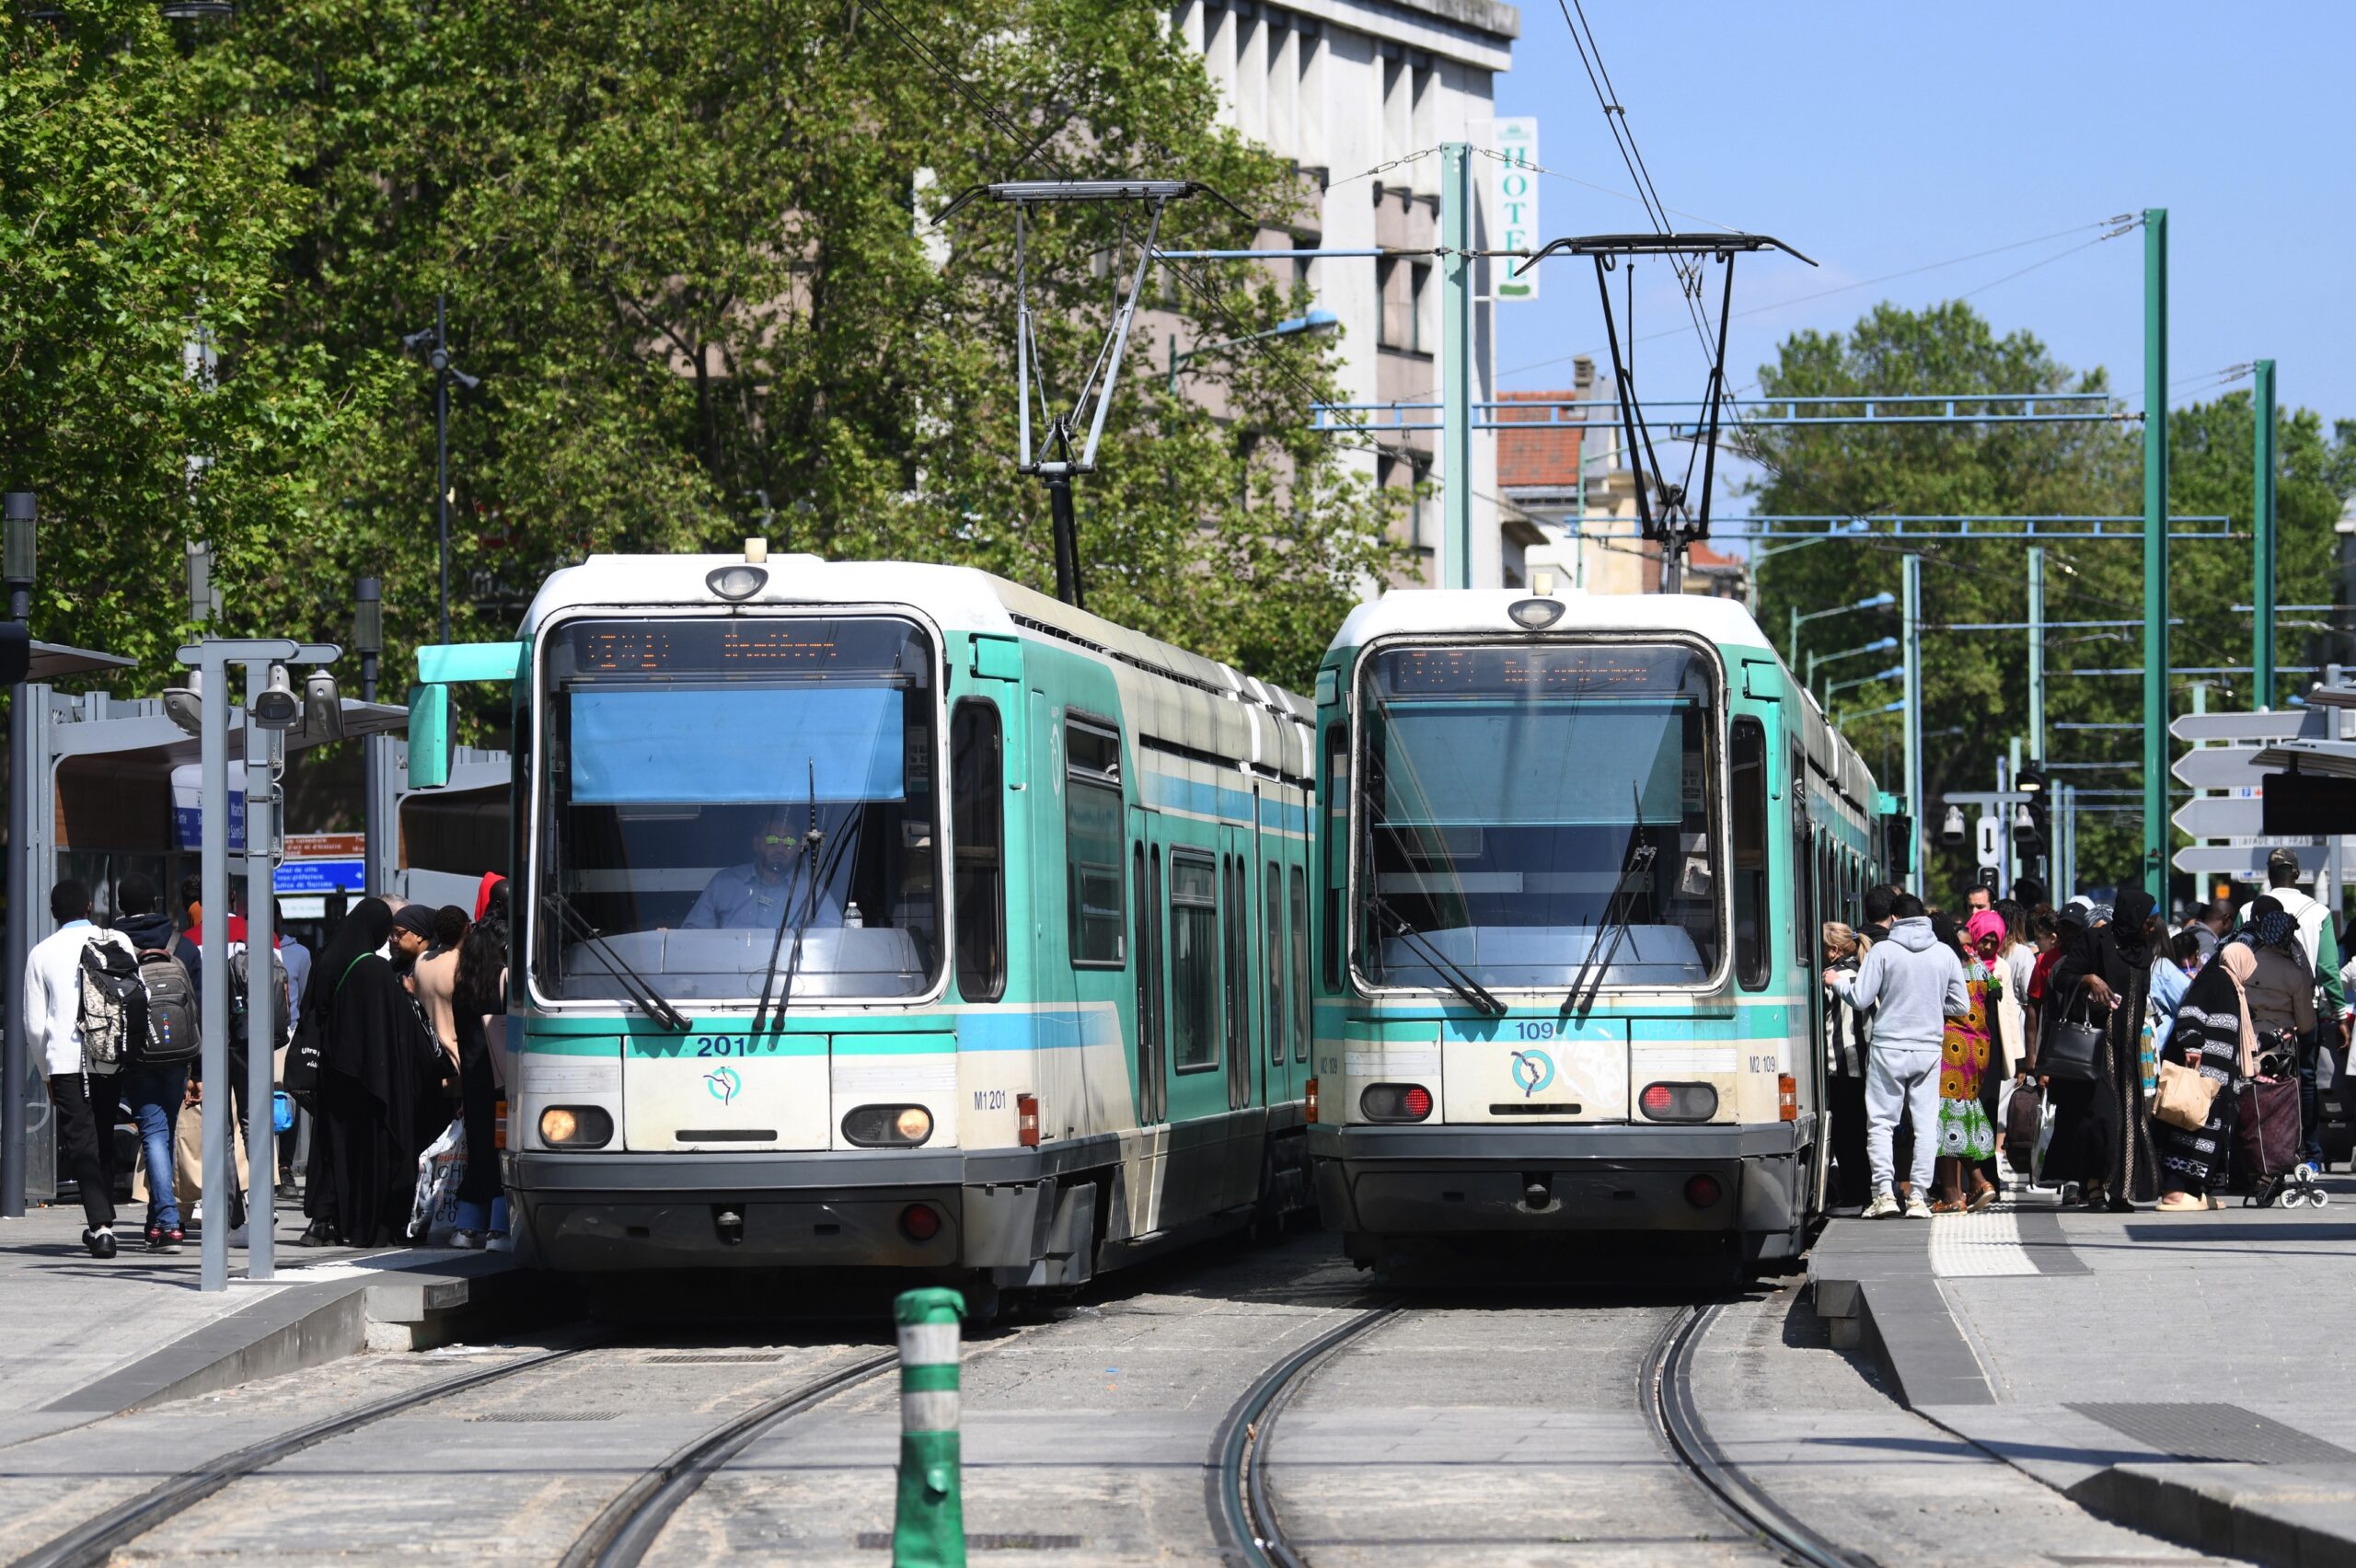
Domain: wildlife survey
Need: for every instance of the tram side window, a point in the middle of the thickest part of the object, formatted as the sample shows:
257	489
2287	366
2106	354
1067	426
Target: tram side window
1336	843
1299	965
978	788
1239	985
1092	843
1747	753
1194	961
1272	887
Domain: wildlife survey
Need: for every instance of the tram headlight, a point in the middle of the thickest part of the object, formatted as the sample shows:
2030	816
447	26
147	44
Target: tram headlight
738	582
1677	1102
576	1126
887	1126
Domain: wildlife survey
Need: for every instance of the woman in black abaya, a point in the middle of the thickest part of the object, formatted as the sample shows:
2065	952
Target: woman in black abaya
2102	1130
374	1097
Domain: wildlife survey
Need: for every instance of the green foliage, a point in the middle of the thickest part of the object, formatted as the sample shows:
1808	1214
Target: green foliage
683	250
1976	682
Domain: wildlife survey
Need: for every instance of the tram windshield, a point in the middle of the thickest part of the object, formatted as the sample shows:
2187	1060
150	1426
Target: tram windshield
715	787
1523	807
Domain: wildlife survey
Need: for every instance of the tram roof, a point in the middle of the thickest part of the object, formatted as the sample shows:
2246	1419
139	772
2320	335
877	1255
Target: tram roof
961	598
1442	610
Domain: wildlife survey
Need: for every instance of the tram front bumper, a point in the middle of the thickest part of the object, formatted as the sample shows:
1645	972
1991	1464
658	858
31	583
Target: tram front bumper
1464	1180
615	1211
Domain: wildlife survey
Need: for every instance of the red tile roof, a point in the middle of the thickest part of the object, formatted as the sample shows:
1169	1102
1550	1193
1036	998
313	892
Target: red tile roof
1547	458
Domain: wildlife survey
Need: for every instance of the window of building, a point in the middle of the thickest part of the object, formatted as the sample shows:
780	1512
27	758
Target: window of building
1193	961
976	795
1419	337
1093	842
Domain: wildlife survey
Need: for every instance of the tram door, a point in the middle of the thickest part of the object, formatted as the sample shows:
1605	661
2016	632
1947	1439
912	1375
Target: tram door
1145	964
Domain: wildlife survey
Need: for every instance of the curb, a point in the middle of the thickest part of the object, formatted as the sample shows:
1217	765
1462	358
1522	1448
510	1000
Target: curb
2282	1515
399	1307
1872	1282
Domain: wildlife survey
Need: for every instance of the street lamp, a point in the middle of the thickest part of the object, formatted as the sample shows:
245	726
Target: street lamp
1841	719
1895	671
1879	645
1872	601
436	340
1318	320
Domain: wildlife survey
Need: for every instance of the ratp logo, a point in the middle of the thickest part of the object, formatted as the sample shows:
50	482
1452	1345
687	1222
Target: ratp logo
726	1086
1532	1071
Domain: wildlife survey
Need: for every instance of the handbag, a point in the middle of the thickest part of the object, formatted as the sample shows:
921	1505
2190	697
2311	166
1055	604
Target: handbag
300	1077
2072	1053
2185	1098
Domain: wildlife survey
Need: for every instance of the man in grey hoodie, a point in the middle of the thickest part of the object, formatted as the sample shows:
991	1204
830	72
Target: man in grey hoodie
1914	984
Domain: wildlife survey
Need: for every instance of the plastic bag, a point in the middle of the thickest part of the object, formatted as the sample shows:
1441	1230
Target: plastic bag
441	1172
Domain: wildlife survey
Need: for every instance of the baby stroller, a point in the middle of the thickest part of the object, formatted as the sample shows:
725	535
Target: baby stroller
2266	1132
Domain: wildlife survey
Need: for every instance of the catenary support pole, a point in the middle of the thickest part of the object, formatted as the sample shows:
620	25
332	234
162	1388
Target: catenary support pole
2156	829
260	1042
2037	654
368	637
2262	593
220	1167
1456	360
16	1060
1911	642
929	1523
442	449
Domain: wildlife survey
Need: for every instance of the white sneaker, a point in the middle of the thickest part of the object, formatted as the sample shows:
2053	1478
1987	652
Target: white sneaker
1884	1206
1916	1209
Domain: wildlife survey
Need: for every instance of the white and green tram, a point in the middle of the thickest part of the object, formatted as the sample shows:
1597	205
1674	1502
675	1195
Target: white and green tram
888	914
1575	852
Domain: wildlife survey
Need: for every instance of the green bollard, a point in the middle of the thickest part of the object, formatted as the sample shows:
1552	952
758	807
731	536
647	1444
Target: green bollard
929	1527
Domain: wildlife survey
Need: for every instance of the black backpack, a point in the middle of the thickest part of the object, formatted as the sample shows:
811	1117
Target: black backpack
172	1025
238	1007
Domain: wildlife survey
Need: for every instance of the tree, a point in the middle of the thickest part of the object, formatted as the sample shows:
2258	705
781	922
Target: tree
140	230
1975	681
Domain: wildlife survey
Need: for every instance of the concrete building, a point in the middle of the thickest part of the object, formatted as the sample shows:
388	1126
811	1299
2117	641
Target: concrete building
1340	87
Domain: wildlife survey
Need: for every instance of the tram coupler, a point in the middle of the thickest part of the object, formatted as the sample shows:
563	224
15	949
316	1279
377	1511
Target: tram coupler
1537	1191
728	1224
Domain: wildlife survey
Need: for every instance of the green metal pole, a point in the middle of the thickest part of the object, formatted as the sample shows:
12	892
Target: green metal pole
1456	358
1910	648
2156	829
2262	593
2037	652
929	1529
1792	636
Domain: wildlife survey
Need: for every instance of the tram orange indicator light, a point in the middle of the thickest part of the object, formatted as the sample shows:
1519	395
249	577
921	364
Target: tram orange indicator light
1026	1119
1311	1097
1788	1098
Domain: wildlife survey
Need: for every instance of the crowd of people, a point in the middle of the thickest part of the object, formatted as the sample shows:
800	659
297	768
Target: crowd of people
395	1034
2090	1048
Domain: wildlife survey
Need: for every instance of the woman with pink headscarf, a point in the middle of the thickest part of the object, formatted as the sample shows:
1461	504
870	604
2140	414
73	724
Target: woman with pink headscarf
1966	1136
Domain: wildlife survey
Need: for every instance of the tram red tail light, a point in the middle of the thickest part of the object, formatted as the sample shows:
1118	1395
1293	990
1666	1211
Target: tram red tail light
1310	1095
1701	1191
1026	1119
1677	1102
1788	1098
919	1222
1394	1102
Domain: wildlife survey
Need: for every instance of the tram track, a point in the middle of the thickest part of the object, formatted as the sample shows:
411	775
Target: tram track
1250	1530
93	1542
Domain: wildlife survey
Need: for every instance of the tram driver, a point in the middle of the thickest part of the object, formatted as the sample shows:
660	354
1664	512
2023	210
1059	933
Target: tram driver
769	888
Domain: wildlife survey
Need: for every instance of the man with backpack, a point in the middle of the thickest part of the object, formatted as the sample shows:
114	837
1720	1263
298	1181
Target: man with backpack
84	1005
157	1084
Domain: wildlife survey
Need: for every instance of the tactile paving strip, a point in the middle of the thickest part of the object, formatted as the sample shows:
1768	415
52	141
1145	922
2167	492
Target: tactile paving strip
2218	1434
1967	1246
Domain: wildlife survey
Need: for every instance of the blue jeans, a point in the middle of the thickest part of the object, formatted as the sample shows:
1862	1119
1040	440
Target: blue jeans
155	1094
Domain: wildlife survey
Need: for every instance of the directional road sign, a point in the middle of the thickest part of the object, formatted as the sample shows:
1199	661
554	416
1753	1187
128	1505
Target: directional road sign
2243	727
2221	768
2221	816
2247	863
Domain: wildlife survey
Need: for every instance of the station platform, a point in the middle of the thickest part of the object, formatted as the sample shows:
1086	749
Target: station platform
2188	1373
88	1337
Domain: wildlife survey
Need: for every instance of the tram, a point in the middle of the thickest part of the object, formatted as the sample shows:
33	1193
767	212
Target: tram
892	915
1573	854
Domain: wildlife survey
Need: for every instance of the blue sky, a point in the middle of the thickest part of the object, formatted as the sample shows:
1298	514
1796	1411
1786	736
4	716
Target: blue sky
1879	138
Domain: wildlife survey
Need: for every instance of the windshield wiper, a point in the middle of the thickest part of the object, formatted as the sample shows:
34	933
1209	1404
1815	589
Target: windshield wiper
1634	861
823	876
1459	980
647	997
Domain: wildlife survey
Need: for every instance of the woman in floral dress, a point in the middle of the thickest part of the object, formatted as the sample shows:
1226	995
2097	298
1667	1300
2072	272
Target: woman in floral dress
1966	1134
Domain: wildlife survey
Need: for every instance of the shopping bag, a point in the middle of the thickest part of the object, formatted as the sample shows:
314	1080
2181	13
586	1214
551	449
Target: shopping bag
2044	1142
188	1156
441	1172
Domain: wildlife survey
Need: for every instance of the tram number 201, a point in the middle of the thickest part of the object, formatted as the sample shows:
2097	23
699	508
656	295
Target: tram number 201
990	1100
732	1045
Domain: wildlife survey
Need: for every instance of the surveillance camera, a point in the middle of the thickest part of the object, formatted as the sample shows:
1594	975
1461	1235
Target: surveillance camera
1951	830
184	706
322	707
276	707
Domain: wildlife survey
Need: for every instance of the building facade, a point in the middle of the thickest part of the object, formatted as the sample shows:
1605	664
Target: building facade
1358	94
